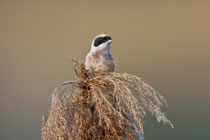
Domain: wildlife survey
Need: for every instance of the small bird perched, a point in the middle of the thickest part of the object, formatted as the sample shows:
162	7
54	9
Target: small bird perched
99	57
109	105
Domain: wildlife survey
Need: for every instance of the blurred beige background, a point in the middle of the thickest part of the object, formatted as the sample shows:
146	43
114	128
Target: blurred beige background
167	43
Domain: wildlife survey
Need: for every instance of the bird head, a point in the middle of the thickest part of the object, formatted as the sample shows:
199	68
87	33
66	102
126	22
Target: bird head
101	42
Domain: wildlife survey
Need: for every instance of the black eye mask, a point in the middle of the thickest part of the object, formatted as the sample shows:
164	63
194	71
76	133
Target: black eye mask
101	40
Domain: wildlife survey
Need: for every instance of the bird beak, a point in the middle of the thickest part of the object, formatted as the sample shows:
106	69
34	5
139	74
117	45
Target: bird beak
109	41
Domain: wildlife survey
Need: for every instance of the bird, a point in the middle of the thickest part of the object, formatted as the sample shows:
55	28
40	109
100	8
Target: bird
100	58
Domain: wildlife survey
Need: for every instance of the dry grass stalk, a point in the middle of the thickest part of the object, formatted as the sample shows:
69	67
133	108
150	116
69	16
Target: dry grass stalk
100	106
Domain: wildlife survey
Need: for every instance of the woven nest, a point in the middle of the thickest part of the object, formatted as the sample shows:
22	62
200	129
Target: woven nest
101	106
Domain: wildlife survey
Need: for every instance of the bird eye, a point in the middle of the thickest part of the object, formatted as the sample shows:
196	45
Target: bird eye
107	38
104	40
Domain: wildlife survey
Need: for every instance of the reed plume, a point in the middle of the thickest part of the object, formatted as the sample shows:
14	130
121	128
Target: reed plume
100	106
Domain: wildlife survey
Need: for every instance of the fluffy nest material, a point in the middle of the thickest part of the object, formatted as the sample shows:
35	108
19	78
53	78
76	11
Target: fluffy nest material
101	106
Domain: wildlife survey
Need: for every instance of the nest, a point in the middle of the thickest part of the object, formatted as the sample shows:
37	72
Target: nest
101	106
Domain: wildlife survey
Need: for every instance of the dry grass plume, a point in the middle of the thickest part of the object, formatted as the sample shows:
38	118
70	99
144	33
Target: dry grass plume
101	106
